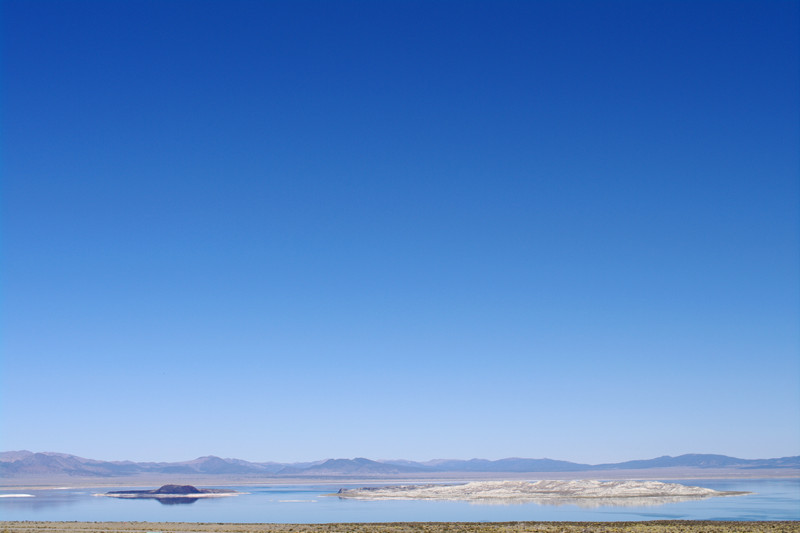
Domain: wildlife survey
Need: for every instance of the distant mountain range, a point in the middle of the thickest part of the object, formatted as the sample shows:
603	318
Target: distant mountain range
27	464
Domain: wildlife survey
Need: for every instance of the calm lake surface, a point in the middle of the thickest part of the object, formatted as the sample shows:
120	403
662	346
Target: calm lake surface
774	499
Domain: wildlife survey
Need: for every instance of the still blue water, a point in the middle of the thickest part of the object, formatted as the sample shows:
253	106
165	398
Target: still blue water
773	499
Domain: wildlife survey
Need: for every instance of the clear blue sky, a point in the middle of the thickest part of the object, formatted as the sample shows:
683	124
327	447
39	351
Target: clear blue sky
297	230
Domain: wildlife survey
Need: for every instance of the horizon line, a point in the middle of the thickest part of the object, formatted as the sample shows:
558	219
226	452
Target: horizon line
322	460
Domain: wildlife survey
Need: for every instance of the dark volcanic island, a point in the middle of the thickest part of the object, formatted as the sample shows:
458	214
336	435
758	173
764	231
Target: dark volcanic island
172	493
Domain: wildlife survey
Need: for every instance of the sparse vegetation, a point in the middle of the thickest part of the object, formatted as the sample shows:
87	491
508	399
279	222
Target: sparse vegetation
670	526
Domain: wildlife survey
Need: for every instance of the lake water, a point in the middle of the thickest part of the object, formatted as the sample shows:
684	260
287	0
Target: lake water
773	499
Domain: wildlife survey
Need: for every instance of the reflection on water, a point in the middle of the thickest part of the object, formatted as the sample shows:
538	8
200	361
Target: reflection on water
175	501
593	503
771	500
41	500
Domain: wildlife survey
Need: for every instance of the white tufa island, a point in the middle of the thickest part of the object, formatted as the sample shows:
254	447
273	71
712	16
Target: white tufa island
584	492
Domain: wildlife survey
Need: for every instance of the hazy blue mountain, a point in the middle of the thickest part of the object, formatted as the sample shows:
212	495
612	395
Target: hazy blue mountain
358	465
694	460
511	464
49	463
215	465
15	455
59	463
25	463
419	466
780	462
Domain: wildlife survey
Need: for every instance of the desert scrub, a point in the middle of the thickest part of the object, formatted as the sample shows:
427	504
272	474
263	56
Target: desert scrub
677	526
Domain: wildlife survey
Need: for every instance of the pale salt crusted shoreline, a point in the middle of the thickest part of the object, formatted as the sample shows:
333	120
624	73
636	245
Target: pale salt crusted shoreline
545	490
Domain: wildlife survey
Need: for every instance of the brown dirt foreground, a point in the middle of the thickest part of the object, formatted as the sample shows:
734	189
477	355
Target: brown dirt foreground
668	526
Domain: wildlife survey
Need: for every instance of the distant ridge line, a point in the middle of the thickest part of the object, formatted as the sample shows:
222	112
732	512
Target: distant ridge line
25	463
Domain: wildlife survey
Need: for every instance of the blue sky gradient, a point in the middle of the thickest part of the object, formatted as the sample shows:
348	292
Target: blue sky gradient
296	230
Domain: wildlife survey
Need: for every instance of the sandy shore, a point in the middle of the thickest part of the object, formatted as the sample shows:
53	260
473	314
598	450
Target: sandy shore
669	526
